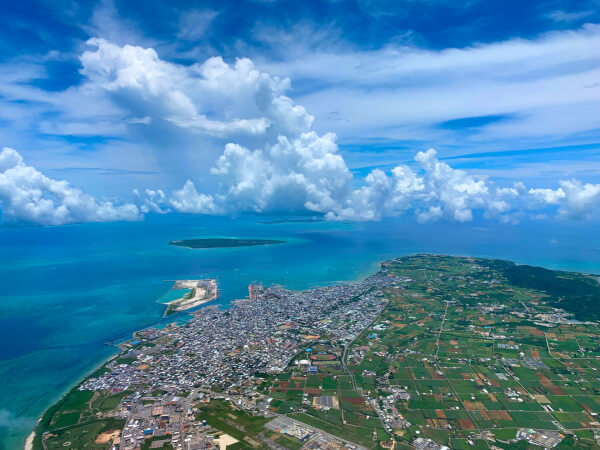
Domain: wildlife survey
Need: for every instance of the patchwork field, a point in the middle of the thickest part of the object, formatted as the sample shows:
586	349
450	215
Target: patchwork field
469	350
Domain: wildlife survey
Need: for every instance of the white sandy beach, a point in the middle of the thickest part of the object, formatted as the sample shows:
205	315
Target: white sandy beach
29	441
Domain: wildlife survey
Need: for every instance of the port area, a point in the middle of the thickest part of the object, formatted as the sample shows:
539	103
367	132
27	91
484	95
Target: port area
198	293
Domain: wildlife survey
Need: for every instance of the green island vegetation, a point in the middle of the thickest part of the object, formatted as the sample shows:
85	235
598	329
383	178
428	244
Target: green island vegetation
574	292
466	353
223	242
244	427
190	294
172	307
169	311
80	417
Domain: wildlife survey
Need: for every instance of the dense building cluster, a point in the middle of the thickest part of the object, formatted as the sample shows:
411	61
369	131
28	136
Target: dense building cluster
226	348
229	351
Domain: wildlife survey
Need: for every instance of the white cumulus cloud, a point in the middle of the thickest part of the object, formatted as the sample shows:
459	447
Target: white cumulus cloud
296	173
28	195
574	198
435	191
240	99
382	195
189	200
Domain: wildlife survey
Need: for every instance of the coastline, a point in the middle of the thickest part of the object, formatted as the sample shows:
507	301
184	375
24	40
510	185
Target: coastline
162	321
368	272
29	441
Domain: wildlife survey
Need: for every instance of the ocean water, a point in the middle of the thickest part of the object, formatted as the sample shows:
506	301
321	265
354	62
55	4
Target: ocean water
66	291
174	294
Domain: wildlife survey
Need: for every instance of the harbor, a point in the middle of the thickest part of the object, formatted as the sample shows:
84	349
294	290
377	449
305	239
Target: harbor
190	294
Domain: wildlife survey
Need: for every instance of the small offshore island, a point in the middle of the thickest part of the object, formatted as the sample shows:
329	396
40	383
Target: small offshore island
430	352
223	242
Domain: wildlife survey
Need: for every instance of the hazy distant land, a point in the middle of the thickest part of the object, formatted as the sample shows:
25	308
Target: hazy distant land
277	221
223	242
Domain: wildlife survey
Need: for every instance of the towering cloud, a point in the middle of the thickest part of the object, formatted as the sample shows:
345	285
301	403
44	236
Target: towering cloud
285	165
296	173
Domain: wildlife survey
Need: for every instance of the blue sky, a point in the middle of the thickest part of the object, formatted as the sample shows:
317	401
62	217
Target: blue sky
312	107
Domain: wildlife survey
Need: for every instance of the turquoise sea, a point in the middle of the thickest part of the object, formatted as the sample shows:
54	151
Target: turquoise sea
66	291
173	294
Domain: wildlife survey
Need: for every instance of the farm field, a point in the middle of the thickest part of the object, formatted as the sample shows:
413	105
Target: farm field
461	356
469	350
